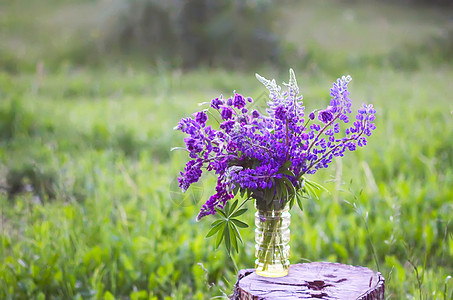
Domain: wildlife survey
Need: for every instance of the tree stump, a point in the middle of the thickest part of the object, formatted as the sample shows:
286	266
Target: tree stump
317	280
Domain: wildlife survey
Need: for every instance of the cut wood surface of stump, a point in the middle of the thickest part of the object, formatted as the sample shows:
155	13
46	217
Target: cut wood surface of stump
317	280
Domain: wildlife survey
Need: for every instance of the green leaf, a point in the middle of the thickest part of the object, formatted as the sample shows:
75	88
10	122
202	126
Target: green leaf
238	235
233	237
287	182
238	212
221	213
269	194
235	190
285	194
219	238
108	296
280	185
285	166
239	223
292	192
226	233
287	172
289	189
299	201
315	185
311	192
214	229
302	183
234	205
216	222
226	209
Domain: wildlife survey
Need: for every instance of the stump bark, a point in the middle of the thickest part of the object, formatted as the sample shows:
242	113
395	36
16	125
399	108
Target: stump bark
317	280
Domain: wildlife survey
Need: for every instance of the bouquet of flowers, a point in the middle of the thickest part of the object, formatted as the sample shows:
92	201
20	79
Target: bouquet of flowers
267	156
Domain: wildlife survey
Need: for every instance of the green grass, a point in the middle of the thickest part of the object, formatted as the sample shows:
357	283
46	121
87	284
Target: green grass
96	214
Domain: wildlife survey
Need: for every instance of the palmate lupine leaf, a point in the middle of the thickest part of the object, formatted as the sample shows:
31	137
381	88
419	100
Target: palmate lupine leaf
215	227
234	205
227	240
299	198
233	238
239	223
238	236
285	168
226	228
311	188
238	212
219	237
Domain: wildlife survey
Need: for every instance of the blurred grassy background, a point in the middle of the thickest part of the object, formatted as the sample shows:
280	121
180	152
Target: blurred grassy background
90	92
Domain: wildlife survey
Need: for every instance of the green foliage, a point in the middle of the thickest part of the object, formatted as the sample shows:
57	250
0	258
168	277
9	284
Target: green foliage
445	3
229	33
98	140
178	33
16	120
31	177
128	236
227	227
199	32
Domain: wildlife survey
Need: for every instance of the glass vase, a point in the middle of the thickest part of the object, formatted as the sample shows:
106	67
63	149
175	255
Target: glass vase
272	241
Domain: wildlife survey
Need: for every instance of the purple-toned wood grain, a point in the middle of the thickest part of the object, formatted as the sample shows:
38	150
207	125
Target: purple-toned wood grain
317	280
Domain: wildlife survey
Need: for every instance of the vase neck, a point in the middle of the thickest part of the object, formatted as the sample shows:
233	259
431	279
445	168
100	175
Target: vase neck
275	205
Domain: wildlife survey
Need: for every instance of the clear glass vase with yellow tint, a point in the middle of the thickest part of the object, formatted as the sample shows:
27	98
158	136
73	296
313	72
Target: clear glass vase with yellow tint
272	240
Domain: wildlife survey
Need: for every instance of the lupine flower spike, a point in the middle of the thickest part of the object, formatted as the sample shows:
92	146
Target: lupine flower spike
255	152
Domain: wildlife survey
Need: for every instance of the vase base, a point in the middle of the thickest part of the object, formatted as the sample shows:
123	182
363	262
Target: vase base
277	270
271	274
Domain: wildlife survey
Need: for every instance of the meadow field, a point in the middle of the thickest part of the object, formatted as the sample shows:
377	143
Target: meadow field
89	202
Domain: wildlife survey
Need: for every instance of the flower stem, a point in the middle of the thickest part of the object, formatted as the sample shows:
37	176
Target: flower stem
270	244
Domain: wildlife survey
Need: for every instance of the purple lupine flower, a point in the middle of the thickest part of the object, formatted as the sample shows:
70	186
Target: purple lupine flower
280	113
304	136
325	116
188	125
255	114
216	102
248	149
239	101
227	126
336	128
194	146
227	113
201	117
191	174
